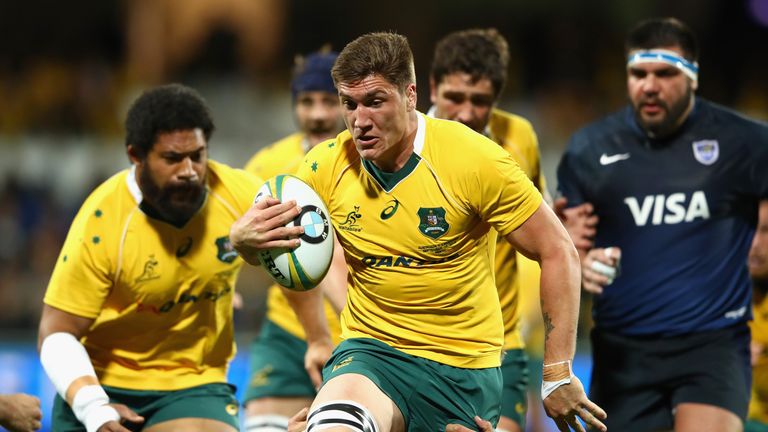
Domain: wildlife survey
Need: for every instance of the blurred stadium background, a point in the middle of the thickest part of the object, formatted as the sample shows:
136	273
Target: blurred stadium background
68	71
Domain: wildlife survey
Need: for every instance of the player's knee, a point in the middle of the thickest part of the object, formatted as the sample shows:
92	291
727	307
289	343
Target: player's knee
341	413
266	423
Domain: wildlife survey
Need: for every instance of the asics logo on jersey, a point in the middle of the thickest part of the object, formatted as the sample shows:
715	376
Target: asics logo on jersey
389	210
668	209
607	160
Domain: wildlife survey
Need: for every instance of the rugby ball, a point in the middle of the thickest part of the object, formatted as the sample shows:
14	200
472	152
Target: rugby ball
300	269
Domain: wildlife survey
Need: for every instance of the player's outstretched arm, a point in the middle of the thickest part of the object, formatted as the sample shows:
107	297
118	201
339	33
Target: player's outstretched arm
263	227
308	306
543	238
67	364
309	309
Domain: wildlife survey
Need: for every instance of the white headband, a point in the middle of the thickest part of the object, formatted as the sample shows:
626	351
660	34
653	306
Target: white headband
665	56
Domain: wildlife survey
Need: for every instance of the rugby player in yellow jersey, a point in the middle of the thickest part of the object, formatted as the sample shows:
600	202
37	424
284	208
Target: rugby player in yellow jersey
468	74
422	326
137	323
279	386
757	418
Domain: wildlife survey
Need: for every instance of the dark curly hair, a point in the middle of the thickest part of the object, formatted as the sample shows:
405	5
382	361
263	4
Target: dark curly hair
167	108
480	53
663	32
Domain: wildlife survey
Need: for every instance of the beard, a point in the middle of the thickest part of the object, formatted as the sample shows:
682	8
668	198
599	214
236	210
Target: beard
177	202
671	118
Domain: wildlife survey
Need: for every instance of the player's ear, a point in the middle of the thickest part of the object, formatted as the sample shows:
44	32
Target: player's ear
410	94
134	155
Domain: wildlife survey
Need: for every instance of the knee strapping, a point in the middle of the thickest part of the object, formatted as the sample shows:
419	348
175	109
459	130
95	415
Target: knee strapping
341	413
266	423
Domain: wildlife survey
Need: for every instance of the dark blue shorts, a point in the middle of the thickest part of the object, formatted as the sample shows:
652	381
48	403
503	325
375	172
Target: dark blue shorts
639	381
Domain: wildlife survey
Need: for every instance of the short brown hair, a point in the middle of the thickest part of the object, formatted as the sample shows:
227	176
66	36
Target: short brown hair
384	53
480	53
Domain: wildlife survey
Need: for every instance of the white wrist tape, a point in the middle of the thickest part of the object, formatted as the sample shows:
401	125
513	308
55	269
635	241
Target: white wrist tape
547	387
561	374
65	360
90	407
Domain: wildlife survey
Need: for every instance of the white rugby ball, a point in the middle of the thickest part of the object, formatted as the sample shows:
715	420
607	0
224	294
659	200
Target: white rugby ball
300	269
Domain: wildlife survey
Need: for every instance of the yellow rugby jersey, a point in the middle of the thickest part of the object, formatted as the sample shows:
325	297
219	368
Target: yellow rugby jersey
416	241
515	134
161	296
758	404
281	157
285	157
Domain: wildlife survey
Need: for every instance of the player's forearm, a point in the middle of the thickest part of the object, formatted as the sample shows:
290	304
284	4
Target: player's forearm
334	285
560	294
69	367
308	306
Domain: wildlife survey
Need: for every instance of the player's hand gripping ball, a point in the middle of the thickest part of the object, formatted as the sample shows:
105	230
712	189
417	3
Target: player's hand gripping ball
300	269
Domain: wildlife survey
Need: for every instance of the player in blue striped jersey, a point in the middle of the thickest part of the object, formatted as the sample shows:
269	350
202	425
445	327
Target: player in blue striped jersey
675	181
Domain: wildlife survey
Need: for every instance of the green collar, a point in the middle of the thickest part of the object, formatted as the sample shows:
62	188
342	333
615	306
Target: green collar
388	180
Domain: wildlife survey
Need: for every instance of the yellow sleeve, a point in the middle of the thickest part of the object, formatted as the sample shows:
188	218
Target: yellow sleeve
317	169
522	142
534	156
84	272
506	197
254	164
759	322
266	163
242	185
281	157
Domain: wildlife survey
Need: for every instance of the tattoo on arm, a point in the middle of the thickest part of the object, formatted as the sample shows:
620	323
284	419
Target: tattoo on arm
548	326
